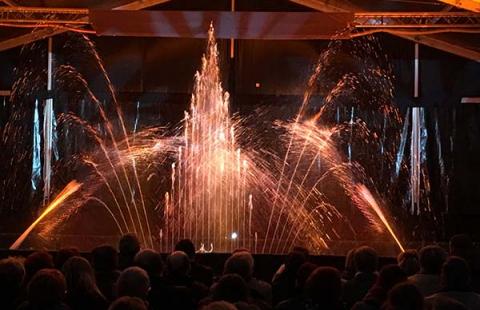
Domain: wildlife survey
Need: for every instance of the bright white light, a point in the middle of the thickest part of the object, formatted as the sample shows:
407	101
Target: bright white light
234	235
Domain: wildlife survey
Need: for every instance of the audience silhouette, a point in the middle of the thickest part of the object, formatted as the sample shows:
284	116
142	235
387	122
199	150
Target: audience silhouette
133	278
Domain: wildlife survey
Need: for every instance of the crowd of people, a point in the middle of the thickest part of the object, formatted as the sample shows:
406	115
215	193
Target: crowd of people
132	278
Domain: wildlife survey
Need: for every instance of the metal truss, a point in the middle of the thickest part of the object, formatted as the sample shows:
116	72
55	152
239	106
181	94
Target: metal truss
25	16
419	20
14	16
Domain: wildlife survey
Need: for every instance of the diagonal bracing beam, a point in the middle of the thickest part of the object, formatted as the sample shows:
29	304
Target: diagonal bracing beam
42	33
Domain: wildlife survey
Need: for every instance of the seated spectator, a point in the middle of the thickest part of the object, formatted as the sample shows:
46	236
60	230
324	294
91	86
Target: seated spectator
242	263
35	262
198	272
456	284
296	249
427	280
62	255
404	296
12	274
178	268
299	300
409	262
231	288
349	271
444	303
82	291
283	284
301	249
324	289
128	303
152	263
461	245
46	291
220	305
365	260
128	247
181	290
389	276
105	264
133	282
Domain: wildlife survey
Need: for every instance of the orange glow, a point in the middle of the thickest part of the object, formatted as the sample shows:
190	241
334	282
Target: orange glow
71	188
368	197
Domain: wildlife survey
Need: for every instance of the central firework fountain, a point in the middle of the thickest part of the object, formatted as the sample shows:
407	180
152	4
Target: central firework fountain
209	200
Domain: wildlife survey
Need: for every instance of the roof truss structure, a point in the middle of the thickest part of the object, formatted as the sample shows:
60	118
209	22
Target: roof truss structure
443	44
42	32
420	27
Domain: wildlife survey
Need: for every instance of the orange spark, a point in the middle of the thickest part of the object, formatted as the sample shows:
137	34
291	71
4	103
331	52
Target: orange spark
368	197
71	188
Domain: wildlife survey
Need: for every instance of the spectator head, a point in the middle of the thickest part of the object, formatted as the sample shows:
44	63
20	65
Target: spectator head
461	245
445	303
240	263
150	261
404	296
12	274
239	250
129	244
294	260
324	287
186	246
133	282
128	303
231	288
301	250
302	275
409	262
79	275
46	288
219	305
455	274
389	276
432	258
178	265
365	259
128	247
64	254
349	271
37	261
105	258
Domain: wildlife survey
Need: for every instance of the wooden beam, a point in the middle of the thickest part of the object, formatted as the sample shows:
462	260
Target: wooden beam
30	37
470	5
43	33
328	5
9	2
139	4
342	6
445	46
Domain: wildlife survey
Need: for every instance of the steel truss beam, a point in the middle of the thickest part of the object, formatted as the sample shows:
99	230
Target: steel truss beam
46	30
435	42
418	20
34	16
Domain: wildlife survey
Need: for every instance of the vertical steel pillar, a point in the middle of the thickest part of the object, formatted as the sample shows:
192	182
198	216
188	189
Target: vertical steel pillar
48	123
